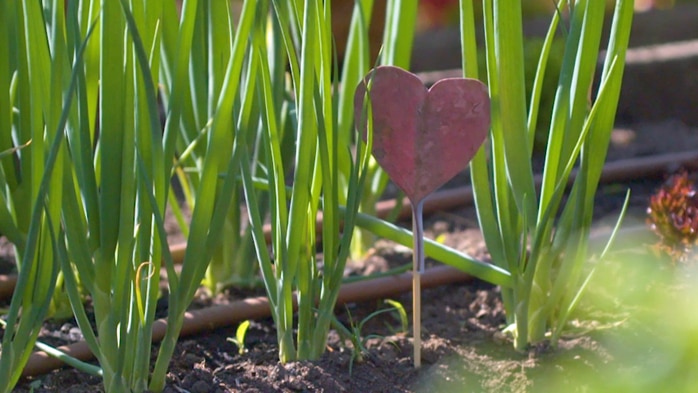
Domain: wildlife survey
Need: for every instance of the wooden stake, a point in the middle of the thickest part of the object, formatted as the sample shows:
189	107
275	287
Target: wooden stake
417	270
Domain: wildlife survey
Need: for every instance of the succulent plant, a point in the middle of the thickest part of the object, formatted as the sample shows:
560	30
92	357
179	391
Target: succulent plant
673	215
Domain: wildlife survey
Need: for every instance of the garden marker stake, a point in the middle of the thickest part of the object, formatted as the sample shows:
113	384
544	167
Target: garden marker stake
422	138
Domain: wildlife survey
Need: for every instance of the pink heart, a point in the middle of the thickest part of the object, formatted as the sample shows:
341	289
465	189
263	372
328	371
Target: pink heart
423	138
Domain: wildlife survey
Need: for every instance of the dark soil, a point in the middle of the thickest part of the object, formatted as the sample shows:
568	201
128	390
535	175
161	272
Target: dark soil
617	339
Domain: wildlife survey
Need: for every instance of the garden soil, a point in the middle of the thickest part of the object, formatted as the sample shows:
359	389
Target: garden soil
465	348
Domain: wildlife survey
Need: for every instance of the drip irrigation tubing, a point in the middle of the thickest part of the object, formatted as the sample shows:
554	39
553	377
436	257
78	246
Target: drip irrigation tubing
220	315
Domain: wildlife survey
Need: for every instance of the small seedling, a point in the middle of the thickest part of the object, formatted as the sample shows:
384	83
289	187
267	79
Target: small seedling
240	334
422	138
402	314
353	332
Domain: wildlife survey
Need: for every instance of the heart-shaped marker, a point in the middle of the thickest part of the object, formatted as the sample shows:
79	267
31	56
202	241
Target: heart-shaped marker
423	137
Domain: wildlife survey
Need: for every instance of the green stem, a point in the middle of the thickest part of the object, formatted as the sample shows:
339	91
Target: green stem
432	249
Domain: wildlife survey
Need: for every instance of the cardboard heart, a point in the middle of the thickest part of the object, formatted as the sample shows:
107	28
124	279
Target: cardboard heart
423	137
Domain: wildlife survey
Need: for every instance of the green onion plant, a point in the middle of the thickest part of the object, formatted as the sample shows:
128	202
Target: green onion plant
302	29
82	83
35	74
537	234
354	332
211	50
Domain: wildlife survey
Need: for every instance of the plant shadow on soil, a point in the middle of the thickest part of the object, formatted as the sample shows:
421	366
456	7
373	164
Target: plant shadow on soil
635	330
